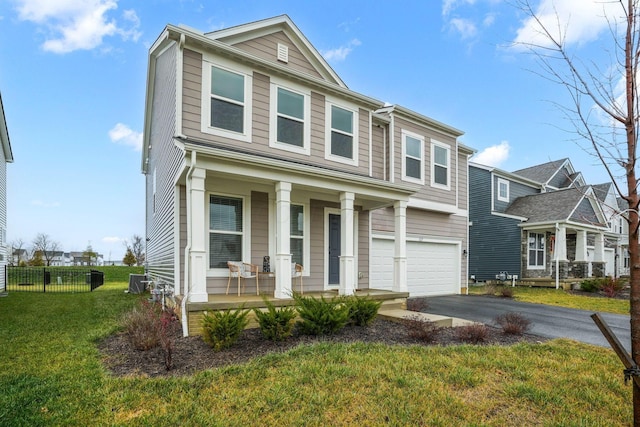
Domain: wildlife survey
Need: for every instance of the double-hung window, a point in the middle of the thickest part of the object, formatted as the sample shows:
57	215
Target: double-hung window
412	157
440	165
503	190
341	134
225	230
297	234
226	101
536	250
290	119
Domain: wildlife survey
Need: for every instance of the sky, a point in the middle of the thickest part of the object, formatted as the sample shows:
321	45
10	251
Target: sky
73	75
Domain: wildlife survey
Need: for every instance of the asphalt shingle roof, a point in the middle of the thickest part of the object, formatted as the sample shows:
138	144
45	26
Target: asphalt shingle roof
541	173
547	207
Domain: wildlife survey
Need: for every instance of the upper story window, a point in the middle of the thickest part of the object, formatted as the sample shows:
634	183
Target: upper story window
226	101
341	134
412	157
290	119
440	161
503	190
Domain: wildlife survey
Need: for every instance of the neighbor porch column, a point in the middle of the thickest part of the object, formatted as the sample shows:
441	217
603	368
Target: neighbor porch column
560	247
283	243
598	249
198	252
400	253
581	245
347	266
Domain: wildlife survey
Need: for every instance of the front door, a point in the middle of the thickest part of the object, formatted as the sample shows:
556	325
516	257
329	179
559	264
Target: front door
334	249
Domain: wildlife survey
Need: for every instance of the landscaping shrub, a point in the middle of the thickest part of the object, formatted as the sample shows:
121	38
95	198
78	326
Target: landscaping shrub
418	304
513	323
590	285
319	316
362	310
474	333
506	292
167	317
612	287
275	324
490	289
142	325
221	329
424	330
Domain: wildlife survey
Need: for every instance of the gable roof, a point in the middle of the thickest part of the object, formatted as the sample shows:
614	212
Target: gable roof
252	30
602	191
4	135
544	172
558	206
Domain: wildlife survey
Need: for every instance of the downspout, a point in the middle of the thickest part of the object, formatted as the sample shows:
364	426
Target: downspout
555	253
187	250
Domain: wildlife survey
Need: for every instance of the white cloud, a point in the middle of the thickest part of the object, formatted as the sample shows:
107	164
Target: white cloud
112	239
494	155
77	24
340	54
41	204
575	21
464	27
449	5
123	134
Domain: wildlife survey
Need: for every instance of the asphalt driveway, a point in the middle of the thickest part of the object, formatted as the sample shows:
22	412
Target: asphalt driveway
547	321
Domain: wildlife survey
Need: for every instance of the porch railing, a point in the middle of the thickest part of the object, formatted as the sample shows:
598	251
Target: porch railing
52	279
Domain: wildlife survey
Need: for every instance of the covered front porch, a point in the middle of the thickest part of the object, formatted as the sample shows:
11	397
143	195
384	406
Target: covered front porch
242	207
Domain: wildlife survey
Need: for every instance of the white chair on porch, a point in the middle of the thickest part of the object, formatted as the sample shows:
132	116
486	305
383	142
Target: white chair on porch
242	270
296	272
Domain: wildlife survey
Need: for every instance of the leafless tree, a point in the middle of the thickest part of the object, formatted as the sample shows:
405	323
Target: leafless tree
15	249
137	247
46	246
603	112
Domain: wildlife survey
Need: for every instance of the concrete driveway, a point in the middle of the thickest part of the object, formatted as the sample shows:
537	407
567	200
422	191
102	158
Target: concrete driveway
547	321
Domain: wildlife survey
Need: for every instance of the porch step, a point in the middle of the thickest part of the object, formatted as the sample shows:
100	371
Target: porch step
397	314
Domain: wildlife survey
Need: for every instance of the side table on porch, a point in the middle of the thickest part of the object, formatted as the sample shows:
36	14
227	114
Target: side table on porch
262	275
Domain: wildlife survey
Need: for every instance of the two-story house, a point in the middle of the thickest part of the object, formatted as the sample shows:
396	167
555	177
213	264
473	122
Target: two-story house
6	156
535	221
254	147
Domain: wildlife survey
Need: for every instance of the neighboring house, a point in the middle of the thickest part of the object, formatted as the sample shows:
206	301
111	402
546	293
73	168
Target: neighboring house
528	222
6	156
19	256
80	259
254	146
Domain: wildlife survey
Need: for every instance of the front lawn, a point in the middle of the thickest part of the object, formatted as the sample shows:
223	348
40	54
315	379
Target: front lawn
559	297
52	375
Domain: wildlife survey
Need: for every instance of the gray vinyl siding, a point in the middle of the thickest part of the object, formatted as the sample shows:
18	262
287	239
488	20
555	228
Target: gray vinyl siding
560	179
3	219
379	149
584	213
363	250
516	189
164	159
463	180
266	47
182	191
259	227
426	191
494	241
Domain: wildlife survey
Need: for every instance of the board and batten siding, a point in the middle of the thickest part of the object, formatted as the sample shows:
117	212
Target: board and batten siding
266	47
164	160
494	241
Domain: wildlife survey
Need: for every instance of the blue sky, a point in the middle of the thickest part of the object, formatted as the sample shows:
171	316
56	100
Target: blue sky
73	72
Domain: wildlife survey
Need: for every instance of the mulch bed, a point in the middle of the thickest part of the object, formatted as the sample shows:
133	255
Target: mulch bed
192	354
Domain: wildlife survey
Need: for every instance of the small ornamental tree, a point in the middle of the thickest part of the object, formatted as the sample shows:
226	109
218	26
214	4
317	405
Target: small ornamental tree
129	258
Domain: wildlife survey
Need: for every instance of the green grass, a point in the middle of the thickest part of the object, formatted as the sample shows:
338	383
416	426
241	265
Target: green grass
559	297
51	375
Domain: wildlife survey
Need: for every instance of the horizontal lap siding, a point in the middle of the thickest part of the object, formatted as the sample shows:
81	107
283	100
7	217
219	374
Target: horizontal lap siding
191	93
463	172
378	153
363	249
266	47
259	227
317	127
3	219
164	159
364	134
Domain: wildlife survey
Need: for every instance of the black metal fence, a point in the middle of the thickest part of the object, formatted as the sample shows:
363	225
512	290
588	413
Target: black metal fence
52	279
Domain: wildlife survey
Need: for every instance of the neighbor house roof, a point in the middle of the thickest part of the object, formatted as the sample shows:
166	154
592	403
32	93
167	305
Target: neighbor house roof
556	206
541	173
4	135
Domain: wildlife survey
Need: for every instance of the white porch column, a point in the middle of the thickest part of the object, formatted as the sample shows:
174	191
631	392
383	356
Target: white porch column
560	248
598	250
283	242
347	266
400	254
581	245
198	252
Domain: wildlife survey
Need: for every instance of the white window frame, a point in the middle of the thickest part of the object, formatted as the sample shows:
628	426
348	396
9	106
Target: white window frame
222	64
446	147
544	251
273	117
405	177
305	236
246	231
506	184
328	131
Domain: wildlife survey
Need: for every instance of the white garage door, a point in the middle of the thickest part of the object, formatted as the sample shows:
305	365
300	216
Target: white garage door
432	268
